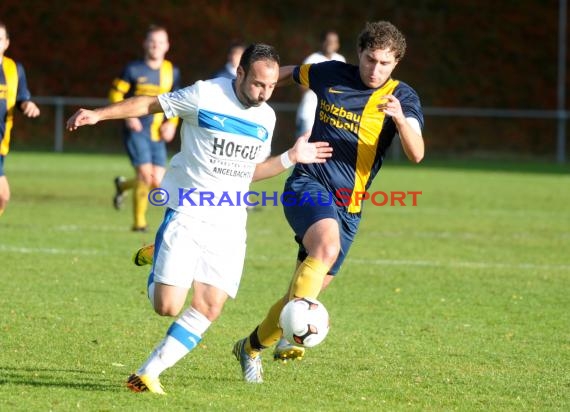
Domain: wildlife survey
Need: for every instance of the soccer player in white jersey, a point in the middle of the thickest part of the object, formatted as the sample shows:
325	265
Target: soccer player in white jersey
226	136
306	111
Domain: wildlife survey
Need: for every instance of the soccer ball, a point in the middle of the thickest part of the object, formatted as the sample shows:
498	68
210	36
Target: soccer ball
304	321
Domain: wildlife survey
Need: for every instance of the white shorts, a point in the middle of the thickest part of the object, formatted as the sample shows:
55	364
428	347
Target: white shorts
188	249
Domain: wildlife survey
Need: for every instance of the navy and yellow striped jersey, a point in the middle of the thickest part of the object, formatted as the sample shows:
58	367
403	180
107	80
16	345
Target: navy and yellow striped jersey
13	90
138	79
348	118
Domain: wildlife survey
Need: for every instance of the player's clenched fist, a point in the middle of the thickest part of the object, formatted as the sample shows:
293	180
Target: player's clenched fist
82	117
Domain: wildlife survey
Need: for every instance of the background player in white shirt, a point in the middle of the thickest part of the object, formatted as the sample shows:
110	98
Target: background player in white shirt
306	111
235	50
226	137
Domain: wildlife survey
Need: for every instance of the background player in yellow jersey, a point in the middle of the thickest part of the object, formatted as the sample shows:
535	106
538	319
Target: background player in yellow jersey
360	111
146	137
13	93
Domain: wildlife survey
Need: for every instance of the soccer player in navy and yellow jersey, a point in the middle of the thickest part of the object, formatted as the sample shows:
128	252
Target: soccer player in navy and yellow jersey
13	93
146	137
360	110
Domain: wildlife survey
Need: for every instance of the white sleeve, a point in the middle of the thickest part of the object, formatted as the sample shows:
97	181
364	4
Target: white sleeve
313	58
414	124
270	126
182	103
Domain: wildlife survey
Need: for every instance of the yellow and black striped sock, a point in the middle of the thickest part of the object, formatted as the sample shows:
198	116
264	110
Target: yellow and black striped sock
268	331
307	282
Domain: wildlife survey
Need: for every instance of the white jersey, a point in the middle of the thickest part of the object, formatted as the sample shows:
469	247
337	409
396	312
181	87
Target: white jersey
319	57
308	104
222	142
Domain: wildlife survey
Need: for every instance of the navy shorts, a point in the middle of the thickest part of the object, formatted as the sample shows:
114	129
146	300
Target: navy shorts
306	201
2	165
142	149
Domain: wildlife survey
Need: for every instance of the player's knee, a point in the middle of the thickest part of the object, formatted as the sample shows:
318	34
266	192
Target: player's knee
145	176
154	183
212	312
4	199
328	252
147	180
167	309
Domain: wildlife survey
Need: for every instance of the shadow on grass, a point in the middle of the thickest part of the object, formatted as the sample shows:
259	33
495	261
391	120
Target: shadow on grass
91	380
62	378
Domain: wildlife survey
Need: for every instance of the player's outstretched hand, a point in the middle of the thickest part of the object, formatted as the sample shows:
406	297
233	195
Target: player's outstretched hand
30	109
305	152
82	117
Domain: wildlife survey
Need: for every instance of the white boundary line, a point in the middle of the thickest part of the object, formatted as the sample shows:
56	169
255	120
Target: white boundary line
349	261
459	264
50	251
437	263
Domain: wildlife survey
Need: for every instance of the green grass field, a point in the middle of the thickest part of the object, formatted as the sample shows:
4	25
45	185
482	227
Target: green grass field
460	303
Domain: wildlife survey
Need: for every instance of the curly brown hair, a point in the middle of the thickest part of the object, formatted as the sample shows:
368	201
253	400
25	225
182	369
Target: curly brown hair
382	35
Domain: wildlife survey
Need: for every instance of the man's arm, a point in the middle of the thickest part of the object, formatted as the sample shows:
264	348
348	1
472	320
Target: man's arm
412	141
301	152
23	95
133	107
410	133
286	76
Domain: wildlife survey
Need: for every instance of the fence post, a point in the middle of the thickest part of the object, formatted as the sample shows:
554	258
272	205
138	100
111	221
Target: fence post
59	107
561	134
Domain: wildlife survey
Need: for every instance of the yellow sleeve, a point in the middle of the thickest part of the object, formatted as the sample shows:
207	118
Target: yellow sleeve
118	90
304	75
174	120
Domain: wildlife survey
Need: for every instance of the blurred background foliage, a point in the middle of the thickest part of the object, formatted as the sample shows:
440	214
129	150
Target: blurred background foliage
462	53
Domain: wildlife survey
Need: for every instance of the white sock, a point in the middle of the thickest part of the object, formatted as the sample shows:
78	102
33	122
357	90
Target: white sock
182	336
